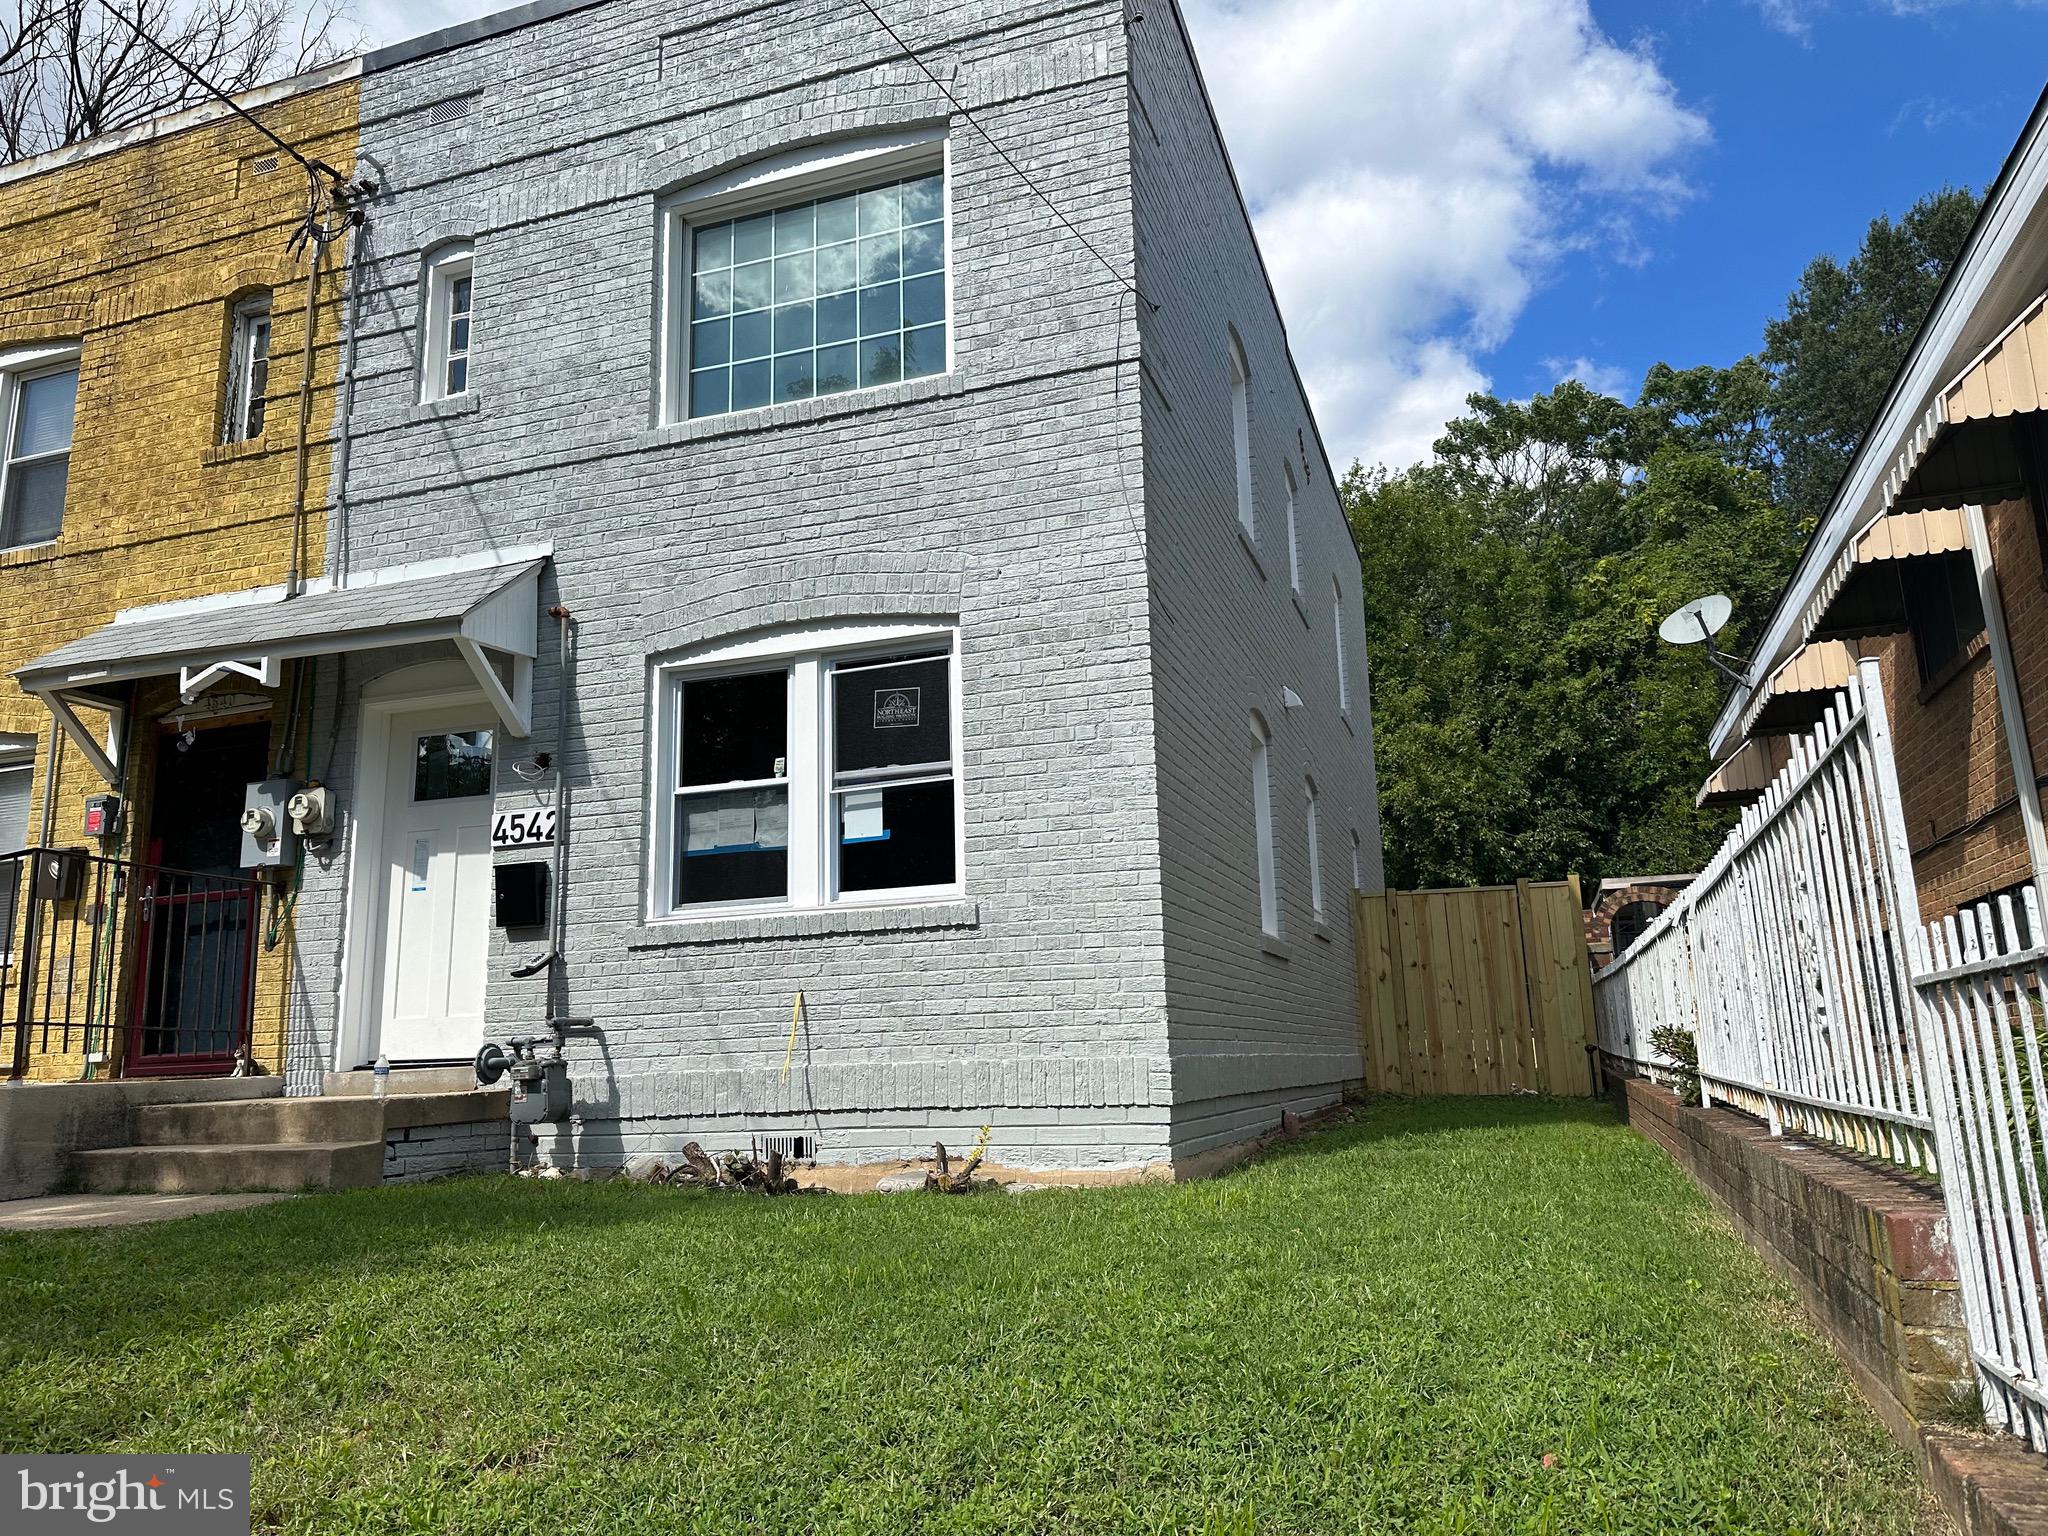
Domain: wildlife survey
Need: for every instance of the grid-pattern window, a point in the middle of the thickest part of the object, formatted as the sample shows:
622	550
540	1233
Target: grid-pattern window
36	409
837	293
248	372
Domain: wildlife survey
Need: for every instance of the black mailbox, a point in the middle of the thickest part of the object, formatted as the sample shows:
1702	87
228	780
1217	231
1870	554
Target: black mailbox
519	894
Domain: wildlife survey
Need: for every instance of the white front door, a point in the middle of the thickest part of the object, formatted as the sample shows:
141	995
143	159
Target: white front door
436	870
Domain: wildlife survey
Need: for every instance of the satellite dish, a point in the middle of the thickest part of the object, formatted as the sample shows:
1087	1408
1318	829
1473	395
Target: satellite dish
1698	621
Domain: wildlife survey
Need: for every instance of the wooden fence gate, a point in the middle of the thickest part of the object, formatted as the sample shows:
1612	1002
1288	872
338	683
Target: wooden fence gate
1477	990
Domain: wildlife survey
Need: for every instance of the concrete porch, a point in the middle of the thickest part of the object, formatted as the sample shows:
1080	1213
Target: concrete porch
220	1135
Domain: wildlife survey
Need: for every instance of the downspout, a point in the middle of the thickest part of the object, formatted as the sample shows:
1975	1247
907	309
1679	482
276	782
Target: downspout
295	578
337	519
2026	790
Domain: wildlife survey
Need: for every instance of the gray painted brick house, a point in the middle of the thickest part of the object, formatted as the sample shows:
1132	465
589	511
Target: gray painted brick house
926	583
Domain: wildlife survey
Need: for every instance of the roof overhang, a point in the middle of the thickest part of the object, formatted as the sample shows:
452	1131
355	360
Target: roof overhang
1862	594
1744	775
488	610
1800	691
2000	273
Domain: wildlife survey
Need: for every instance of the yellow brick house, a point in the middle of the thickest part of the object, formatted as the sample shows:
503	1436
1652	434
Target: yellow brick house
154	312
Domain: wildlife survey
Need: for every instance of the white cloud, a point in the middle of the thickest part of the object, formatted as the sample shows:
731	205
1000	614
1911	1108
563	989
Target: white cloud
1796	18
1601	378
391	21
1417	169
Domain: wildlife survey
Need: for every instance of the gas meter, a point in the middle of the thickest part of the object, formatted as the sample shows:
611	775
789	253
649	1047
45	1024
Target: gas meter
540	1084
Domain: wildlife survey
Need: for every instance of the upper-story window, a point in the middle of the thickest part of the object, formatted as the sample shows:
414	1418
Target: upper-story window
38	398
1337	633
248	371
1241	435
809	275
1293	538
450	285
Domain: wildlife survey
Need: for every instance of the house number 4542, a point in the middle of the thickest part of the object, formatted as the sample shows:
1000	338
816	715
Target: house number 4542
523	829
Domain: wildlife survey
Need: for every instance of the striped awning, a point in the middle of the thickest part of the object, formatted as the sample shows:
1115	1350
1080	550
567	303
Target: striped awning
1800	691
1746	772
2007	378
1862	594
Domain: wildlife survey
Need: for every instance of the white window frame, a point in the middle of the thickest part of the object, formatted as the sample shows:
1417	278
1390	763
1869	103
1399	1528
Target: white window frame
1262	826
1293	536
1337	633
1315	850
1241	437
775	182
16	369
808	655
1357	862
445	265
242	360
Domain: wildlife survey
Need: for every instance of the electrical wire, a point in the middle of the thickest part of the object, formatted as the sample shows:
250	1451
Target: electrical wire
134	24
1022	175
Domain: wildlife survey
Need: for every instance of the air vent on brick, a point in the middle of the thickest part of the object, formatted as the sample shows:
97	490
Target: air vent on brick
453	110
794	1149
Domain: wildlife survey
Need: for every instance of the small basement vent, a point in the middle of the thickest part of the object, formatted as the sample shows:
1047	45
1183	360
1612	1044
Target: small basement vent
453	110
794	1149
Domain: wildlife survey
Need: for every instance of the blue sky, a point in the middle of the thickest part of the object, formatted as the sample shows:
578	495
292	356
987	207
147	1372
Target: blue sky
1814	132
1493	194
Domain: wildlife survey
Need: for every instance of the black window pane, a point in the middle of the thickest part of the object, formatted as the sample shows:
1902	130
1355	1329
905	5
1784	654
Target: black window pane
735	728
896	715
732	845
452	765
1943	608
897	837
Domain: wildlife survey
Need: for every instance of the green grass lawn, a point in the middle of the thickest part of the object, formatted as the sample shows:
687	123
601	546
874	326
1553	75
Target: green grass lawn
1476	1315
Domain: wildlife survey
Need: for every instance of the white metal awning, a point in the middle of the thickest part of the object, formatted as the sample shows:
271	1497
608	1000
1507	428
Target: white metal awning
1800	691
1861	594
1745	773
2007	378
489	611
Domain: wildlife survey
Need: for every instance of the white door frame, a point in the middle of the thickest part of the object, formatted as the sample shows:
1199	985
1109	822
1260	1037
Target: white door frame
429	685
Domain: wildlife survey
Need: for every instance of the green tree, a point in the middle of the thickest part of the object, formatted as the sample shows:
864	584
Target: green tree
1845	332
1527	720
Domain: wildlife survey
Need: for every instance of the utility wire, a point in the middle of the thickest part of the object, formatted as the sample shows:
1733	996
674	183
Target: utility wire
134	24
1022	175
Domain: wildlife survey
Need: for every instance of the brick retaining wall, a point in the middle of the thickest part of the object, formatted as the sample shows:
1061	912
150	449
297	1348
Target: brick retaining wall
1868	1252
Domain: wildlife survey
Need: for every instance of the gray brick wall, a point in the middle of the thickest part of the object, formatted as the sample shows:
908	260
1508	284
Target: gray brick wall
418	1153
1010	494
1255	1025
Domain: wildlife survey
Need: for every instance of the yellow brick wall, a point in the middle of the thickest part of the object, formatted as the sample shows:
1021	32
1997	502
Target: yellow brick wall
138	255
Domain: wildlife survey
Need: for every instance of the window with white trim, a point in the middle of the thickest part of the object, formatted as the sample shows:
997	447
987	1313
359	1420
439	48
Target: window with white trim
814	274
450	283
1315	852
1262	824
1293	540
1357	863
38	400
1241	435
1337	634
248	371
809	770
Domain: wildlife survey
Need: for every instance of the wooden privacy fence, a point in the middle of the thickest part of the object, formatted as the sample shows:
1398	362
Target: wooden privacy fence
1479	990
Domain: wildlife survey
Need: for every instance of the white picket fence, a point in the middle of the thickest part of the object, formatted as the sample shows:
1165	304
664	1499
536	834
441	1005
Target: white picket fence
1779	959
1820	1004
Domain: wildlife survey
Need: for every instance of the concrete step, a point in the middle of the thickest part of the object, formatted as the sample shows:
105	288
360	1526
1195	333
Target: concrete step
263	1122
456	1079
208	1170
